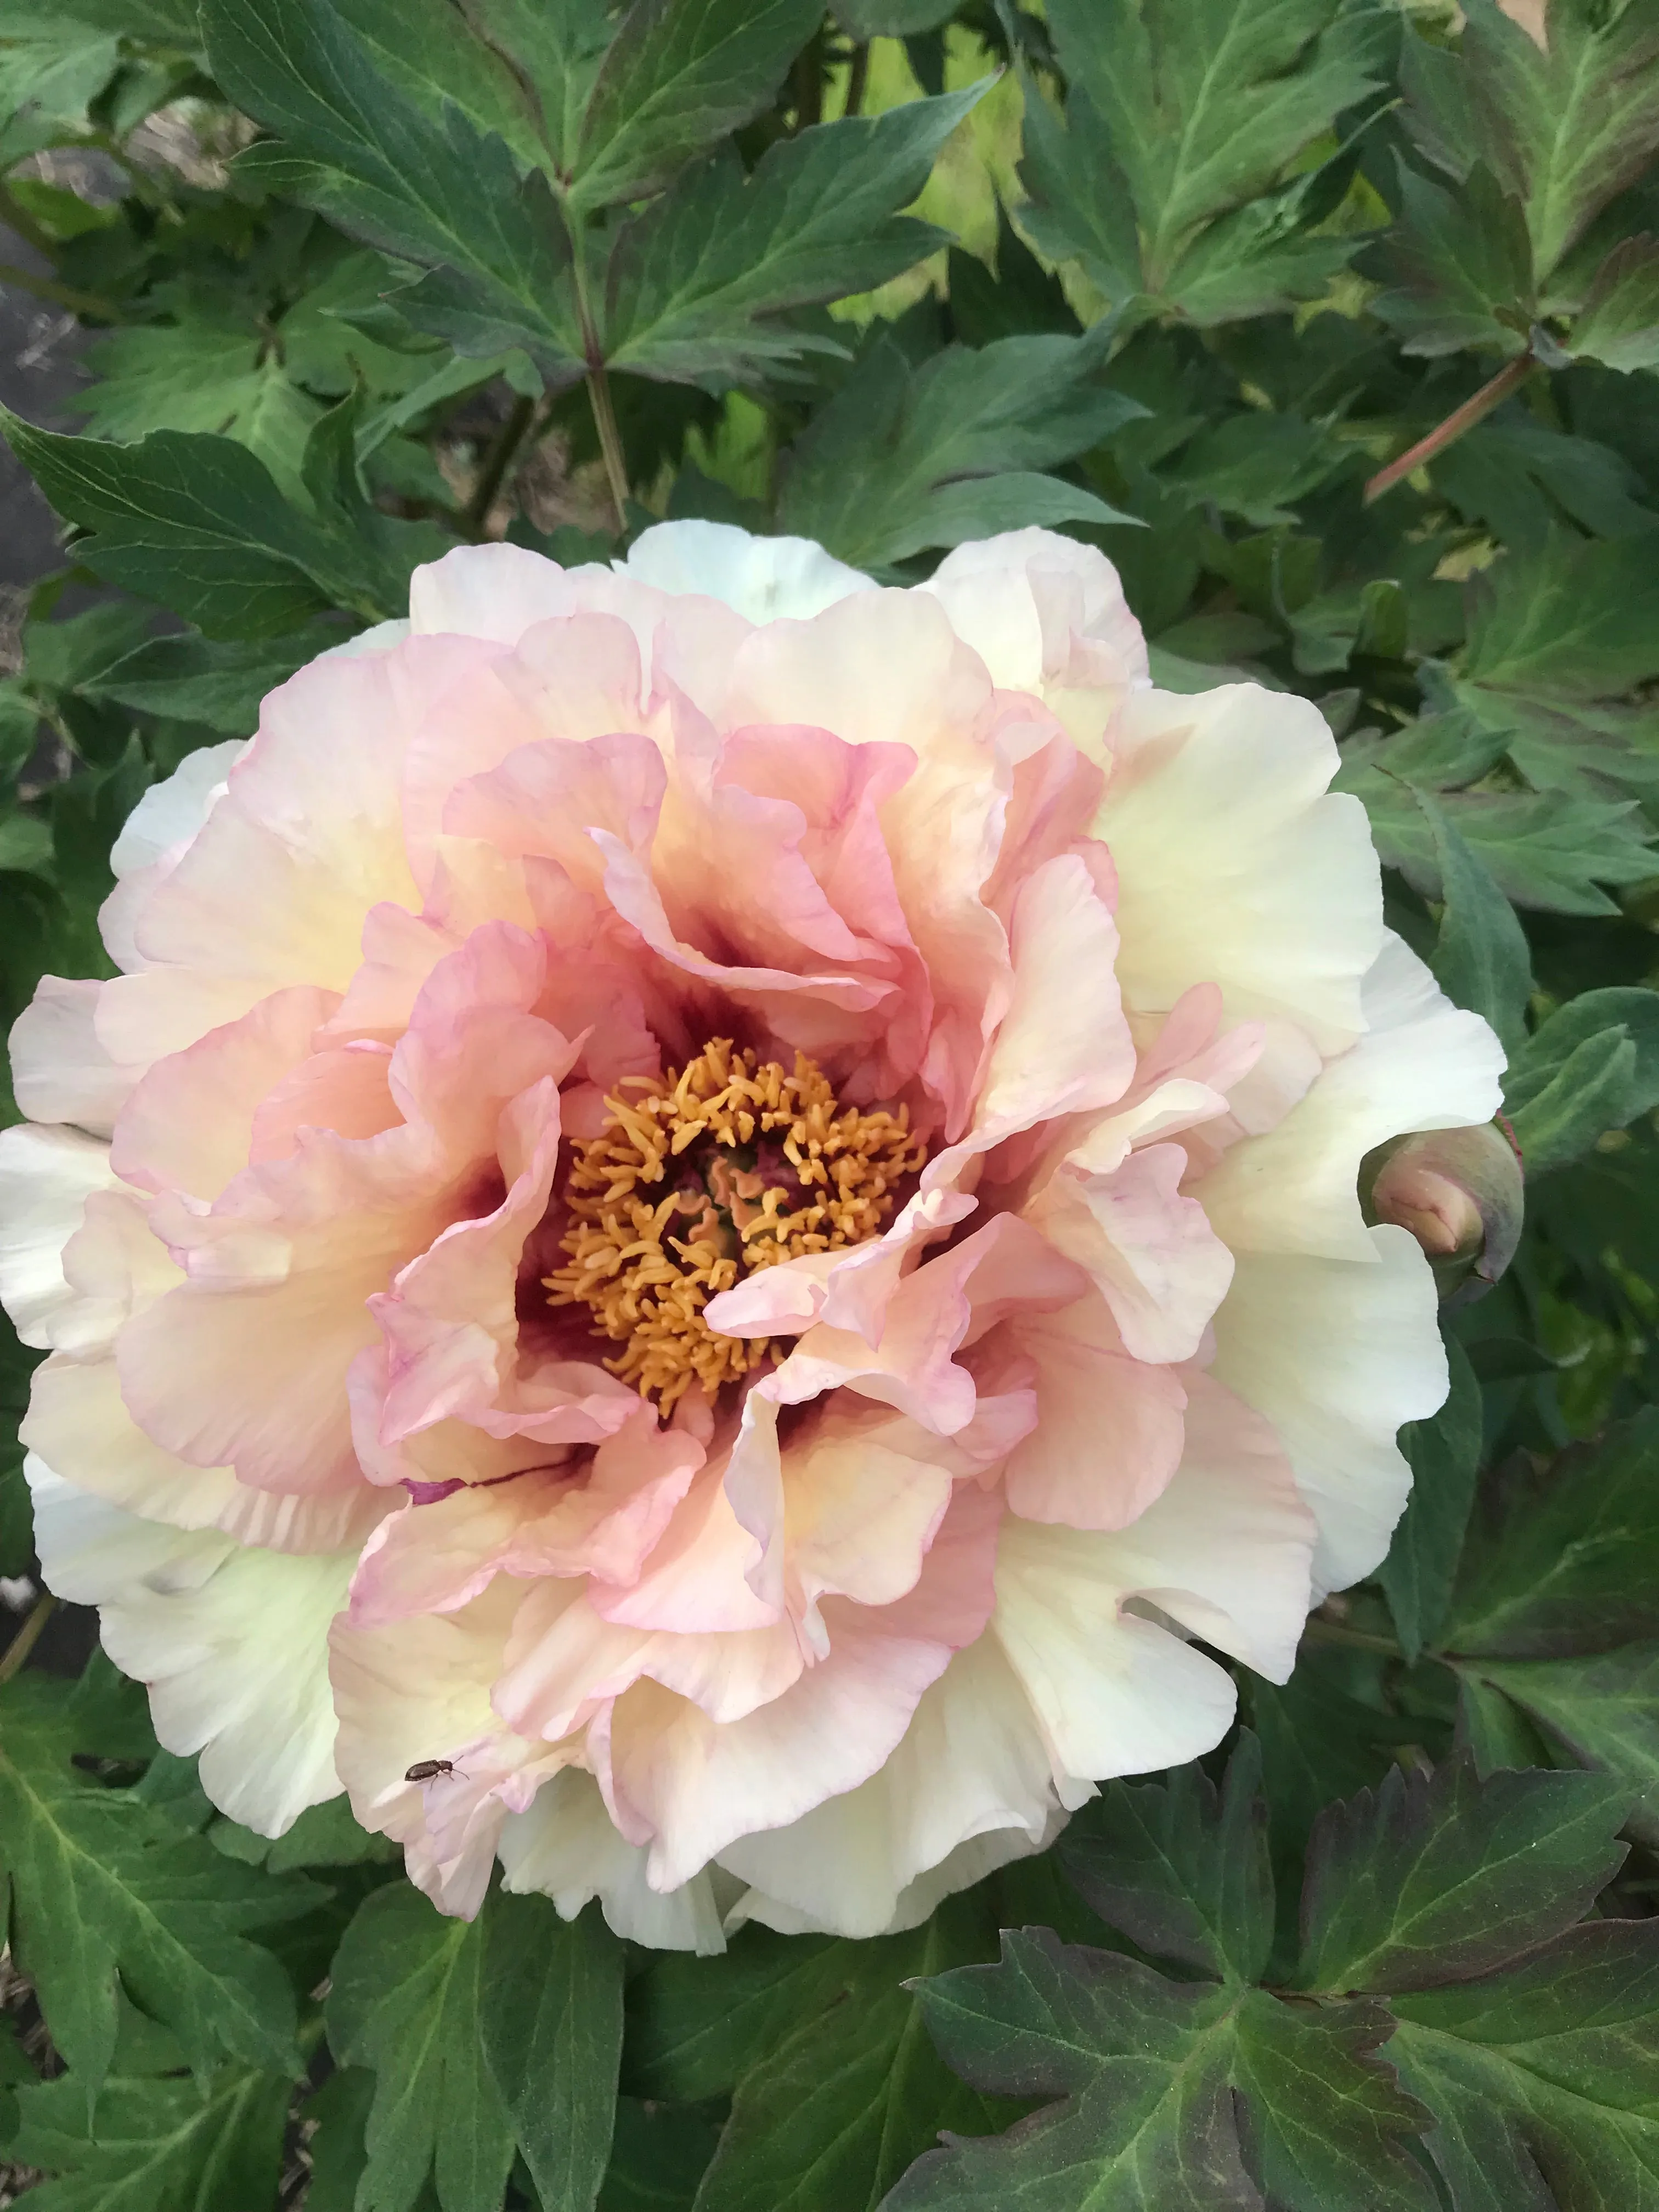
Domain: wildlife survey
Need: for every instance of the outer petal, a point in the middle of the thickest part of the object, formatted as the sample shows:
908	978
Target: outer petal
1422	1064
62	1071
971	1767
760	578
1046	615
233	1642
156	834
565	1847
46	1176
693	1787
1338	1354
1234	865
1224	1551
418	1690
78	1425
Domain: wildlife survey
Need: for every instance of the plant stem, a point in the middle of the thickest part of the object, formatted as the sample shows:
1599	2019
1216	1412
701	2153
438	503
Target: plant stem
496	462
59	295
604	421
858	78
808	84
1492	393
1353	1639
28	1636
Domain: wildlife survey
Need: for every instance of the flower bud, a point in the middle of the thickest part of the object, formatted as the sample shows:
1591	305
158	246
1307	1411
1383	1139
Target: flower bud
1459	1192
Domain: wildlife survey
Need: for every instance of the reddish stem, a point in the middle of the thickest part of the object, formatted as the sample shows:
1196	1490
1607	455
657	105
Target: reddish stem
1492	393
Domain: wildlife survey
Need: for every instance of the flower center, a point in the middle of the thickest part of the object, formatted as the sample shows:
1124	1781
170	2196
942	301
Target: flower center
725	1166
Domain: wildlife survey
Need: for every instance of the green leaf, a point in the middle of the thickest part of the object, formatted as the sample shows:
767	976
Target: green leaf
51	71
1520	479
159	2145
659	2157
692	279
209	372
679	74
197	523
406	1995
1436	1877
1541	2078
835	2085
891	19
100	1883
1574	1571
1618	322
1540	850
339	2113
1154	2075
1481	960
1444	1457
903	459
1592	1092
1180	1868
440	192
220	682
1456	268
1179	115
1565	125
1632	1011
1572	620
550	2013
1602	1710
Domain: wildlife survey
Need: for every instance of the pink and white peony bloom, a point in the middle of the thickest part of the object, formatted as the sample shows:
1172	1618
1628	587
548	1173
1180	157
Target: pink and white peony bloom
720	1205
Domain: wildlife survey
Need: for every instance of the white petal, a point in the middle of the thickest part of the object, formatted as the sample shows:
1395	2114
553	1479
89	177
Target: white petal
1422	1064
232	1642
763	578
380	637
566	1847
78	1425
171	811
1223	1552
1337	1354
46	1176
971	1768
1026	601
61	1071
495	591
1234	863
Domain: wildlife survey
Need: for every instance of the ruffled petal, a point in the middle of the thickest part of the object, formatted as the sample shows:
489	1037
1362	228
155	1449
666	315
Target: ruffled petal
231	1641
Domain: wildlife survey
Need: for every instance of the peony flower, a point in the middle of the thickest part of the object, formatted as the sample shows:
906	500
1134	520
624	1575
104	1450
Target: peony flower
710	1242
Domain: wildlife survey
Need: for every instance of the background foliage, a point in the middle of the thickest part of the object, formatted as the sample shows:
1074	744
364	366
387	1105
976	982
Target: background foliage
1336	323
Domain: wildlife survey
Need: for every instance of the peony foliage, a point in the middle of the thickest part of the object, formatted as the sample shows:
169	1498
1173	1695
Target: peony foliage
1063	602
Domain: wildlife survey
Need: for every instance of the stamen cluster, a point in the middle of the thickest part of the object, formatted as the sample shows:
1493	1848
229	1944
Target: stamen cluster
723	1167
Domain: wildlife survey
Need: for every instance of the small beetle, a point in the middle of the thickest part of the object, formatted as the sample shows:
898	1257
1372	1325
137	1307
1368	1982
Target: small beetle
427	1769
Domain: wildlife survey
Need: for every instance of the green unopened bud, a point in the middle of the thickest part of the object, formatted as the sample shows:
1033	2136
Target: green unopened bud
1459	1192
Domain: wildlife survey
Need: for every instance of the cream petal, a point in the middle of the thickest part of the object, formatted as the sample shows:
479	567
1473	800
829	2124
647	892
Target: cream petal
1047	615
971	1768
156	834
233	1642
62	1069
495	591
763	578
1338	1354
565	1847
78	1425
1109	1431
1422	1064
46	1176
1147	1248
1235	865
418	1690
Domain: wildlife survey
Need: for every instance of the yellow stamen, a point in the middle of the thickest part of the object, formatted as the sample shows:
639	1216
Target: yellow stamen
647	1265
